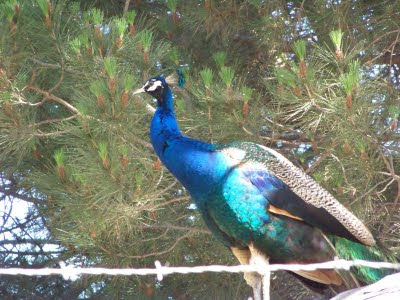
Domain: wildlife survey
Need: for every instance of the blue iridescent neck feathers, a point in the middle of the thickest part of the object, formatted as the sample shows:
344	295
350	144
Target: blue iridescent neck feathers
180	154
164	127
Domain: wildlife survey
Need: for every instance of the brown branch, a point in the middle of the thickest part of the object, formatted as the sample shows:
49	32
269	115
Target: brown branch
44	64
143	143
391	169
387	56
60	79
52	121
298	134
277	140
168	187
392	50
47	134
48	95
157	237
388	59
324	156
164	203
19	225
126	6
344	172
186	235
174	227
28	241
246	130
55	66
383	35
373	189
33	253
16	195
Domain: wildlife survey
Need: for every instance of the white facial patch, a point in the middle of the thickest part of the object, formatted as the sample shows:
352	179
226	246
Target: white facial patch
151	86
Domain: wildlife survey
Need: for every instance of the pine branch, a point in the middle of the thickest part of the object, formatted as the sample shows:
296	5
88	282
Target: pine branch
323	157
52	121
158	253
32	253
19	225
28	241
165	203
50	134
56	66
60	80
173	227
50	96
126	7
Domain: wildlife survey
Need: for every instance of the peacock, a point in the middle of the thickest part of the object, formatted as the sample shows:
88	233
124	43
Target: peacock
259	204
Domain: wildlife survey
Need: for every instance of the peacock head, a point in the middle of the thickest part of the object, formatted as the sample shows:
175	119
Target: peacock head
157	86
154	87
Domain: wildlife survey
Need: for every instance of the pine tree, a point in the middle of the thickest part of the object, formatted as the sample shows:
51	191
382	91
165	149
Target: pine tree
317	80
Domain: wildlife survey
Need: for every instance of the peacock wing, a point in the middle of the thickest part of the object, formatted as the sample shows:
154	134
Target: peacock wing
291	192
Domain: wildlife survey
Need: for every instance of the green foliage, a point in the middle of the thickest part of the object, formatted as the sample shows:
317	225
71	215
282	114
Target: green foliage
59	157
75	45
120	25
96	16
146	39
351	79
171	4
336	38
130	16
110	66
44	6
256	3
226	74
84	39
123	150
129	82
299	48
103	150
174	55
220	59
394	111
7	9
164	25
285	77
207	77
97	87
361	146
247	93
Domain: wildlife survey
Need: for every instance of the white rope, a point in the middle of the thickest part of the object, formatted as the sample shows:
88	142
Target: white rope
72	273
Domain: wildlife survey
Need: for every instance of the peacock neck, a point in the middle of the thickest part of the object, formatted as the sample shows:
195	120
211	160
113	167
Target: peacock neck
191	161
164	127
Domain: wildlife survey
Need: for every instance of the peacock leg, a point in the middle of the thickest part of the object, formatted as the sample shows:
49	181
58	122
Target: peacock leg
259	259
252	279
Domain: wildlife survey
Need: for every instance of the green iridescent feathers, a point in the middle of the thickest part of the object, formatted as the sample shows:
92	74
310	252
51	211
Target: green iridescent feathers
350	250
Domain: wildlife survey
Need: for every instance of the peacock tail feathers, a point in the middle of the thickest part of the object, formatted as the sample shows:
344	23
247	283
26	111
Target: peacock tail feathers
350	250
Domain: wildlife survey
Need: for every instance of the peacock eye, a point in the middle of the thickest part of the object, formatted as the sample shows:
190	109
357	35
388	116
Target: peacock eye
148	85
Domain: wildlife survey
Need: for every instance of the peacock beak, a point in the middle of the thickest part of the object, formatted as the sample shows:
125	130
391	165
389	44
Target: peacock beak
138	91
